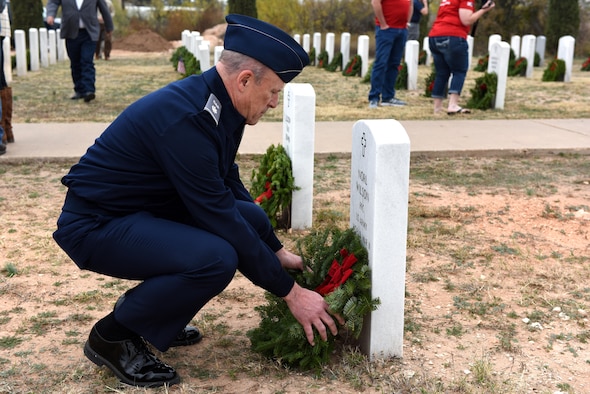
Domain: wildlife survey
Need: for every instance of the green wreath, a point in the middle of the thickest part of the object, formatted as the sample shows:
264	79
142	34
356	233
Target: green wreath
339	270
353	68
586	65
190	64
336	63
323	59
555	71
401	83
482	63
273	185
484	92
429	82
518	68
312	57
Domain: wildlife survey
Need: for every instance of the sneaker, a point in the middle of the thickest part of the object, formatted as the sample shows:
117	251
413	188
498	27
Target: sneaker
373	104
393	103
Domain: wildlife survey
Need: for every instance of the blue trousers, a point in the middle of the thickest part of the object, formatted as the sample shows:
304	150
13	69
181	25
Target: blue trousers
181	267
81	53
389	50
451	58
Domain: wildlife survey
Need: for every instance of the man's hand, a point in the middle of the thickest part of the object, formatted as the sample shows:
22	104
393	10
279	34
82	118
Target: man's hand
50	20
289	260
311	311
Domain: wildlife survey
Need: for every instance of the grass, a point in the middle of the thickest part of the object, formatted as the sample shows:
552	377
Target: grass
474	270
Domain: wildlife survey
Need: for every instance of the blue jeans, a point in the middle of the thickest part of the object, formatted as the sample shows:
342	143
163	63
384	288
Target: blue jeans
81	53
389	49
450	56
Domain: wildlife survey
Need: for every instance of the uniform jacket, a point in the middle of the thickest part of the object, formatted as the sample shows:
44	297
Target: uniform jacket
172	154
71	15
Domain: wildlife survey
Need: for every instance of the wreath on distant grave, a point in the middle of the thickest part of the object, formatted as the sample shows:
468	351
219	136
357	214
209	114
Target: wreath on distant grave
586	65
555	71
185	62
353	68
518	68
429	82
401	82
422	57
338	270
484	93
323	59
311	55
273	185
336	63
482	63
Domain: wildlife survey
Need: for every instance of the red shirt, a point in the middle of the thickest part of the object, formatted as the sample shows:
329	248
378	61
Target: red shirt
396	13
447	22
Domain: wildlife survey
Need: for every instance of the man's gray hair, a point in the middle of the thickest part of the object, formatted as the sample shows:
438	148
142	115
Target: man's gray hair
236	62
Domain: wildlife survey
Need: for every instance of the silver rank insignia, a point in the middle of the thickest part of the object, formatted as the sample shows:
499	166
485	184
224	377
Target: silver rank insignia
214	108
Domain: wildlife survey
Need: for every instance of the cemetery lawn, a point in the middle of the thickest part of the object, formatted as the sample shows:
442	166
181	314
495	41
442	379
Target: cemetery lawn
498	266
497	293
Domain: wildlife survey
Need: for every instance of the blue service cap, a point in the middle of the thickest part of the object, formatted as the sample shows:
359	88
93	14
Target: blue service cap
266	43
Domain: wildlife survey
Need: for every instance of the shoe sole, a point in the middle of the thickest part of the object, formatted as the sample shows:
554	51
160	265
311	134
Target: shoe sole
100	361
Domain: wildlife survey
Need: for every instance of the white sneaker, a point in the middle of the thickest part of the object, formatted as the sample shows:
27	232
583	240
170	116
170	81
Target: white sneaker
373	104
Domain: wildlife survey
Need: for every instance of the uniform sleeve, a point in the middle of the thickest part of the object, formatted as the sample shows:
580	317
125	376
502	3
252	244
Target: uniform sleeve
191	153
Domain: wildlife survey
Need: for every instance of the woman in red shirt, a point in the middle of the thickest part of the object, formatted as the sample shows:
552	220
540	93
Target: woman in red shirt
450	51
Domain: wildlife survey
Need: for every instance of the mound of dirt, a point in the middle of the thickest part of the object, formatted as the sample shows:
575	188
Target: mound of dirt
142	41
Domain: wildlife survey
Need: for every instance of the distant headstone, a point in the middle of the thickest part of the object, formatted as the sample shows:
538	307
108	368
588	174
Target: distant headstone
379	214
498	63
317	44
411	57
52	40
297	38
363	52
528	51
7	61
426	48
469	50
493	39
20	47
330	46
61	47
515	45
217	53
565	52
298	141
306	43
34	48
541	43
185	38
204	56
345	48
43	47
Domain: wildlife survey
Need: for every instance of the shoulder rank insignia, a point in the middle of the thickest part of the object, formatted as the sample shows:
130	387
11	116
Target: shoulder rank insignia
213	106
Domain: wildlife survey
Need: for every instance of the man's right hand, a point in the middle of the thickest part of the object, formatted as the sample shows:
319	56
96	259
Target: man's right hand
311	311
50	20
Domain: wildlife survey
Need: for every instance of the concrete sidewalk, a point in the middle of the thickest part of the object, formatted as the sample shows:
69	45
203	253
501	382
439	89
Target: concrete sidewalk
444	137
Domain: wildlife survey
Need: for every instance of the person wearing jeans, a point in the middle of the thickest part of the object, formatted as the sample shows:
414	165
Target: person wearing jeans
450	51
391	20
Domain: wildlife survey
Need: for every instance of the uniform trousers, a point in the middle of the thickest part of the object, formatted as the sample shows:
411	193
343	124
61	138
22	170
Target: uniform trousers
181	267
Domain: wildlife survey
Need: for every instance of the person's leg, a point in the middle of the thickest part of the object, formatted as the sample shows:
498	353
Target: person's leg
395	55
383	44
73	48
87	70
181	268
438	47
108	46
458	62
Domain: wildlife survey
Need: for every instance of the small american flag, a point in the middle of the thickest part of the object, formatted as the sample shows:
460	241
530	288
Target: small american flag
180	68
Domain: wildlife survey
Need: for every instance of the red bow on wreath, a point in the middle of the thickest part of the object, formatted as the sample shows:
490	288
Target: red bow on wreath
265	195
337	274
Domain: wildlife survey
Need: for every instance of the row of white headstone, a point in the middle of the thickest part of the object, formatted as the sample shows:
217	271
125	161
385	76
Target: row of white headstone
45	48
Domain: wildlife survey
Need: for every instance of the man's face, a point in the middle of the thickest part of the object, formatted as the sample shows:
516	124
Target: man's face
259	96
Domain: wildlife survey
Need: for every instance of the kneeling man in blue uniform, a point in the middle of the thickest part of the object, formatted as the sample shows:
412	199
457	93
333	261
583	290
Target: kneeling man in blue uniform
158	198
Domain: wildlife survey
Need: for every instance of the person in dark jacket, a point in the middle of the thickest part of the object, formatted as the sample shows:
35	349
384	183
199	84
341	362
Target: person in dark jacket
81	30
158	198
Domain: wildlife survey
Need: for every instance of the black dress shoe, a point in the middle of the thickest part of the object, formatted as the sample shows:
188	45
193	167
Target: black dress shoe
2	148
88	97
189	336
130	360
77	96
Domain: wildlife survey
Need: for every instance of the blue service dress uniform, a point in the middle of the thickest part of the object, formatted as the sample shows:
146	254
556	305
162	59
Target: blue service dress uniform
158	198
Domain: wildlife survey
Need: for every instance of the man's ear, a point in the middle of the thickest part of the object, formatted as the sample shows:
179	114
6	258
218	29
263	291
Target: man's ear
244	79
